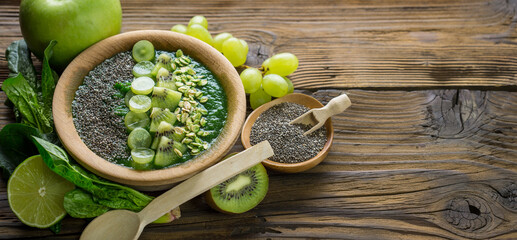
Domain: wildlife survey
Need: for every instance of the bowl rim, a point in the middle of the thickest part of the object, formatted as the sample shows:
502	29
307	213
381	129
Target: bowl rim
208	56
289	167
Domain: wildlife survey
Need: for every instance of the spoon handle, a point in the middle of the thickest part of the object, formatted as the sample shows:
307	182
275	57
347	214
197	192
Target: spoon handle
205	180
337	105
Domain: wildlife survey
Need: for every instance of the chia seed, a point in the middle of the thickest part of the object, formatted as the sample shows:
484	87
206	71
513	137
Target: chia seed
93	108
287	141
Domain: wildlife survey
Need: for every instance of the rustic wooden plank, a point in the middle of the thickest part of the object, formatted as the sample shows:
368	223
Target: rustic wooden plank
352	44
425	164
393	172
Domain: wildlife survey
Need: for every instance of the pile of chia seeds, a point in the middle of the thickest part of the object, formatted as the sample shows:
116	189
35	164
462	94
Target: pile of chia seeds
93	108
287	141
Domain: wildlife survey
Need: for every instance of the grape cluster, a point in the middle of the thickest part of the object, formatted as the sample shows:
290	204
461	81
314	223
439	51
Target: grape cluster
270	80
233	48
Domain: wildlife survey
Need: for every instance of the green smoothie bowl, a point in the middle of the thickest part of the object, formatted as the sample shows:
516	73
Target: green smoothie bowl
149	108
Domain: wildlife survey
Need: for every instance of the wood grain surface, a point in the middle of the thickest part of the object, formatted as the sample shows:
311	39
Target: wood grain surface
428	149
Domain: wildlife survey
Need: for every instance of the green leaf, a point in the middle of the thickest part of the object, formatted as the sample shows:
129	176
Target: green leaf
56	228
24	98
48	81
80	204
19	61
104	192
16	145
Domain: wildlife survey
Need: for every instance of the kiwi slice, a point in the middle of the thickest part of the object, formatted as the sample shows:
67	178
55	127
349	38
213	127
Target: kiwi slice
165	79
165	98
168	152
240	193
163	61
143	50
161	114
164	129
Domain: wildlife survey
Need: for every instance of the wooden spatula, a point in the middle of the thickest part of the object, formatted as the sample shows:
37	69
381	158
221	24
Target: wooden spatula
317	116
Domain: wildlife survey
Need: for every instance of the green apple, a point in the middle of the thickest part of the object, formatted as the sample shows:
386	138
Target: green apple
75	24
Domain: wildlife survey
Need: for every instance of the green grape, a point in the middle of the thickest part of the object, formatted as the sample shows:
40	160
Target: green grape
140	103
251	79
258	98
143	69
199	32
245	44
275	85
265	65
219	40
235	51
283	64
143	50
290	86
201	20
142	85
179	28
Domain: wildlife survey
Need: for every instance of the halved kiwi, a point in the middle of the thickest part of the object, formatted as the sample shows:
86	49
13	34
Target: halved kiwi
168	152
165	98
158	115
240	193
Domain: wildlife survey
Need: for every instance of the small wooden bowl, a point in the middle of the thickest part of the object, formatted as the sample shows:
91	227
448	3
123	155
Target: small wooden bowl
302	99
73	77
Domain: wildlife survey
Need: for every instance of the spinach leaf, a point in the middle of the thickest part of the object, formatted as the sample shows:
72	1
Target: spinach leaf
24	98
104	192
56	228
19	61
16	145
48	82
80	204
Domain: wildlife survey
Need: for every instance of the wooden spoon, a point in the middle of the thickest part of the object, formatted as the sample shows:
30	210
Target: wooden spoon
124	224
317	116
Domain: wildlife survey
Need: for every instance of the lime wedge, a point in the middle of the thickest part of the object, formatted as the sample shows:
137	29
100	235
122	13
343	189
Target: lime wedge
35	193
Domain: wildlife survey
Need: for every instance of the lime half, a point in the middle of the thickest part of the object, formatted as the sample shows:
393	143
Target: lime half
35	193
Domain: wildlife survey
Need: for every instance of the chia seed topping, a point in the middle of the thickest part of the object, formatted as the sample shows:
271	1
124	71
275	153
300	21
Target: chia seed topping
93	108
287	141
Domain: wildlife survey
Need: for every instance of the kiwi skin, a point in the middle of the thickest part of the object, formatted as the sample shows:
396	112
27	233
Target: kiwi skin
210	200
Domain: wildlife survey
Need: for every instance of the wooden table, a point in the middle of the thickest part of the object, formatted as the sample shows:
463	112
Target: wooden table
428	149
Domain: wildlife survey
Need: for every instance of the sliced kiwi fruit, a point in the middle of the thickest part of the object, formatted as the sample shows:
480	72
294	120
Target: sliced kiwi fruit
169	152
161	114
163	61
164	129
241	192
165	98
165	79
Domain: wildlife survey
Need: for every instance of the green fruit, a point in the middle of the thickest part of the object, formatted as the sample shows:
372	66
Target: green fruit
158	115
36	193
74	24
165	98
240	193
142	158
143	50
168	152
139	138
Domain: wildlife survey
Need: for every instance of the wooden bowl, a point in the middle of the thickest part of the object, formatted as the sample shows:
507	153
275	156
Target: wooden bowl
73	77
302	99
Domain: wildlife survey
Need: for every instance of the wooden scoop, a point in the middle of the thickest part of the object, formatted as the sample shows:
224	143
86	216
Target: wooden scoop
317	116
124	224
